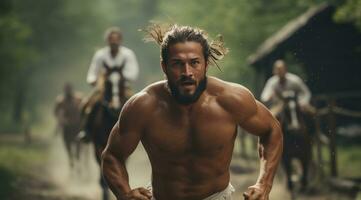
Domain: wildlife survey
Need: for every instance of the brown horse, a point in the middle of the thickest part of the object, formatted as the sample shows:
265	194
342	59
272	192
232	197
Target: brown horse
109	98
297	142
67	113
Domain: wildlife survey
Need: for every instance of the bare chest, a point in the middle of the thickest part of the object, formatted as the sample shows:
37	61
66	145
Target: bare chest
200	131
70	108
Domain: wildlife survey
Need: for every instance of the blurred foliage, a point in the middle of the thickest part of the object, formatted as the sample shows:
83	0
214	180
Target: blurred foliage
46	43
350	11
21	163
349	154
244	25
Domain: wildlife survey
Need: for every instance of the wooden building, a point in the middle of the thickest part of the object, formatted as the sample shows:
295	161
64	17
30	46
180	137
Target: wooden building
330	55
329	52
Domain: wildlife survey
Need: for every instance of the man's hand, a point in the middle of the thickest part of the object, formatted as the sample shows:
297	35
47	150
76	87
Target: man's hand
257	192
307	109
138	194
83	137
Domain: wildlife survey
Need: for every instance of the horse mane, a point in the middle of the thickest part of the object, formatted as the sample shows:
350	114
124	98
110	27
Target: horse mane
100	84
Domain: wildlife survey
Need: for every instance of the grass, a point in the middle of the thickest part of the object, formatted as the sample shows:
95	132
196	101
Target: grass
349	161
18	161
7	177
348	157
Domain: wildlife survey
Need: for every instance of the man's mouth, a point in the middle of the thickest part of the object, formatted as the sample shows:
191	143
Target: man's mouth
187	83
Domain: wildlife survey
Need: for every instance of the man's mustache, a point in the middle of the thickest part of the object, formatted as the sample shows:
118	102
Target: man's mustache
186	79
114	45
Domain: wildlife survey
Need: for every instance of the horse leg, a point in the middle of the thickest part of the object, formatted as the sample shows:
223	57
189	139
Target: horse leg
103	184
242	142
77	150
304	180
286	162
76	155
68	148
305	168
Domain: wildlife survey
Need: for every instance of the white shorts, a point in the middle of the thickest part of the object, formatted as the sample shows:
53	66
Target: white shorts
226	194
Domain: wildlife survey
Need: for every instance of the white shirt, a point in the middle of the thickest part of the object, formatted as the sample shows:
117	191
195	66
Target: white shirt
293	83
130	70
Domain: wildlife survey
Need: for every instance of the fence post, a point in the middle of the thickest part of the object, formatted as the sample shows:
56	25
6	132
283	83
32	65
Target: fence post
319	145
242	143
332	135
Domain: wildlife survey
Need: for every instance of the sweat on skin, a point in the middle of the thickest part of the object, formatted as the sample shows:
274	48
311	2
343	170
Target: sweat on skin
189	137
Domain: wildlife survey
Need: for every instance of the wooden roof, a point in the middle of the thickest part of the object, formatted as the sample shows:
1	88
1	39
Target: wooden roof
296	25
328	52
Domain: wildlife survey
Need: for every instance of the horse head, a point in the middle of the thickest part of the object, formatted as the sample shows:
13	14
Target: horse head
114	86
291	110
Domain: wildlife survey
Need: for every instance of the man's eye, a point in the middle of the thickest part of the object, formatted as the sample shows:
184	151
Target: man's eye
177	63
195	62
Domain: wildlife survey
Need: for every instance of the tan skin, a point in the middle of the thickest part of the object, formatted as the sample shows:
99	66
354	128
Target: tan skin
190	146
114	41
280	70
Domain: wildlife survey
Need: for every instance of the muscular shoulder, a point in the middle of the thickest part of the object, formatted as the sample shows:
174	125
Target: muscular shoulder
273	80
293	78
146	100
100	52
234	98
78	96
59	99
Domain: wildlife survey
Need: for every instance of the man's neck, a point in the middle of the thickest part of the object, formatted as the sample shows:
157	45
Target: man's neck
184	101
183	106
282	80
114	52
68	97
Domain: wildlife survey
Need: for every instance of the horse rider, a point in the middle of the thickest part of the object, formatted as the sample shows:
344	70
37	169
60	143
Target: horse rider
286	90
67	113
114	55
281	82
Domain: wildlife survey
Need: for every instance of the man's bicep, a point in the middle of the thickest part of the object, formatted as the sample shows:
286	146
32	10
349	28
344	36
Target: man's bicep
123	140
259	122
127	132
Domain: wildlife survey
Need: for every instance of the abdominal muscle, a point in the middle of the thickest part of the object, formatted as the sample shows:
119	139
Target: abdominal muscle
189	177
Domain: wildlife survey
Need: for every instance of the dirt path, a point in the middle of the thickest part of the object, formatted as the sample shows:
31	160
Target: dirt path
58	182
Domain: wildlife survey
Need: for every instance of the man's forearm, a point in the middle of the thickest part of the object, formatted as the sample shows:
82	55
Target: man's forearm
115	174
270	152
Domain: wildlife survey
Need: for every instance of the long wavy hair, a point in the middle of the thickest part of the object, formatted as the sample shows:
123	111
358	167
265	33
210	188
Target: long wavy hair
166	35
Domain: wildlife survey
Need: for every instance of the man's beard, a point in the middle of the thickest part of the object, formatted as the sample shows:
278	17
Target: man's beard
114	47
68	95
188	99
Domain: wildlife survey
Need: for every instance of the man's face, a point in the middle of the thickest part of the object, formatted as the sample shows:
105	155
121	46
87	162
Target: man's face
68	90
114	41
280	70
186	71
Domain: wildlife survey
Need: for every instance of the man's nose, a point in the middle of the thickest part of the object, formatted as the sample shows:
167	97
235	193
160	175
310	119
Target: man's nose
187	70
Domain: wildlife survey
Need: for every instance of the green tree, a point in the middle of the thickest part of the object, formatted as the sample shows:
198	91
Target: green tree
350	11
